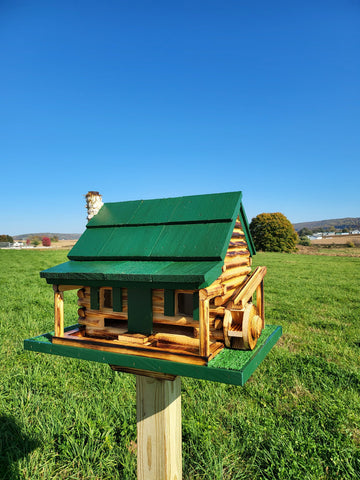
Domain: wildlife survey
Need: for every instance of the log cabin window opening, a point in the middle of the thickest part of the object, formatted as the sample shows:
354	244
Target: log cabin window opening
112	322
107	301
185	304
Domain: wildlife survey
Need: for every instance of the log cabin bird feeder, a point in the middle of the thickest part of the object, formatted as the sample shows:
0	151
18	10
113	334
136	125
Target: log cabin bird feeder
168	279
165	289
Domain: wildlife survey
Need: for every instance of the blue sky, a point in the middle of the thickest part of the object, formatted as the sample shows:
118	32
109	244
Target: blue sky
152	99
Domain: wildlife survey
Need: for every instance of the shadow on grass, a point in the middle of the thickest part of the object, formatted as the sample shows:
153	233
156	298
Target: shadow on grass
14	445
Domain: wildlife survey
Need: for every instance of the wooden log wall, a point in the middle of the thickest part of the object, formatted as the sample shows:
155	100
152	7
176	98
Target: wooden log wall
235	272
95	322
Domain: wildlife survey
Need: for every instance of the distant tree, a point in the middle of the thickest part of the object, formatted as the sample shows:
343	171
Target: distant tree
305	241
304	232
46	242
54	238
35	240
345	230
28	241
6	238
273	232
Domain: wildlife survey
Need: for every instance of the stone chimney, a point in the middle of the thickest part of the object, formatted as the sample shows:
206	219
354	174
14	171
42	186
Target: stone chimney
93	203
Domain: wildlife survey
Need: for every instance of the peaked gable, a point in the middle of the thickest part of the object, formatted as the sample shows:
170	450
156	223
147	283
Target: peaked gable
185	228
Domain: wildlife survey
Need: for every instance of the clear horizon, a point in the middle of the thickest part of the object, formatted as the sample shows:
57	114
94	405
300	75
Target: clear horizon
139	101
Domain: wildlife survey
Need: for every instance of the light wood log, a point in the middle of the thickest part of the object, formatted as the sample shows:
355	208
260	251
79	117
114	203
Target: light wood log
105	332
211	291
157	307
178	339
59	313
234	272
218	323
135	338
92	323
215	335
172	355
175	320
226	326
237	233
218	301
159	441
244	293
216	311
237	243
156	299
114	315
204	328
235	282
237	252
236	260
260	302
81	293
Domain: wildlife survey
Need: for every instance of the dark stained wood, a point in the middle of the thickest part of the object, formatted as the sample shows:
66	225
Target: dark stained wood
169	302
140	315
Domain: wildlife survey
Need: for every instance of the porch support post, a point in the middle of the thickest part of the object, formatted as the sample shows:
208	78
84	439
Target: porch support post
260	302
59	311
204	328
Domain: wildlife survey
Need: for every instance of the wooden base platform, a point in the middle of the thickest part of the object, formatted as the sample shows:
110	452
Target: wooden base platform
151	347
230	366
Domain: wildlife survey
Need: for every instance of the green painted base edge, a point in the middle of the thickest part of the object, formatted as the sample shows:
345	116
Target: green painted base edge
233	367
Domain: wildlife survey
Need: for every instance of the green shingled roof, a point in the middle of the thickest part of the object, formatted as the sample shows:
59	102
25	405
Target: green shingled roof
172	240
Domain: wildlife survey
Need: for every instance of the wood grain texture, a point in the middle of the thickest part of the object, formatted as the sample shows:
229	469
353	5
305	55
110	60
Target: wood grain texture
145	373
245	292
204	328
159	441
59	313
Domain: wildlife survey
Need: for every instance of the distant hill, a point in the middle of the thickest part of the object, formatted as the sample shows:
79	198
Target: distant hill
62	236
352	223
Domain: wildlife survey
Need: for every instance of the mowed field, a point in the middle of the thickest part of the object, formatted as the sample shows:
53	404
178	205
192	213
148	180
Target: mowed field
339	245
298	417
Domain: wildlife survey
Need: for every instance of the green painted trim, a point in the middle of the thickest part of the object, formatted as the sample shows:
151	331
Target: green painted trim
196	305
215	371
94	298
169	302
129	272
140	310
117	299
122	284
245	224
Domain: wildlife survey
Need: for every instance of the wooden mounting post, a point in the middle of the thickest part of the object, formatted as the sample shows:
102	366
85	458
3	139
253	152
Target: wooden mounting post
158	407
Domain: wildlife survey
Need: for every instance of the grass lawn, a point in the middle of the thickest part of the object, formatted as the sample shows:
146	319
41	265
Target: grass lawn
298	417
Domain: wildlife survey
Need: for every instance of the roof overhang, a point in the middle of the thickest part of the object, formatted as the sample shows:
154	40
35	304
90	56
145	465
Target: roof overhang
156	274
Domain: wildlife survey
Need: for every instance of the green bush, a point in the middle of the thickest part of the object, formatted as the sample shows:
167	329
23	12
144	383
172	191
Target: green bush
305	241
350	244
273	232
